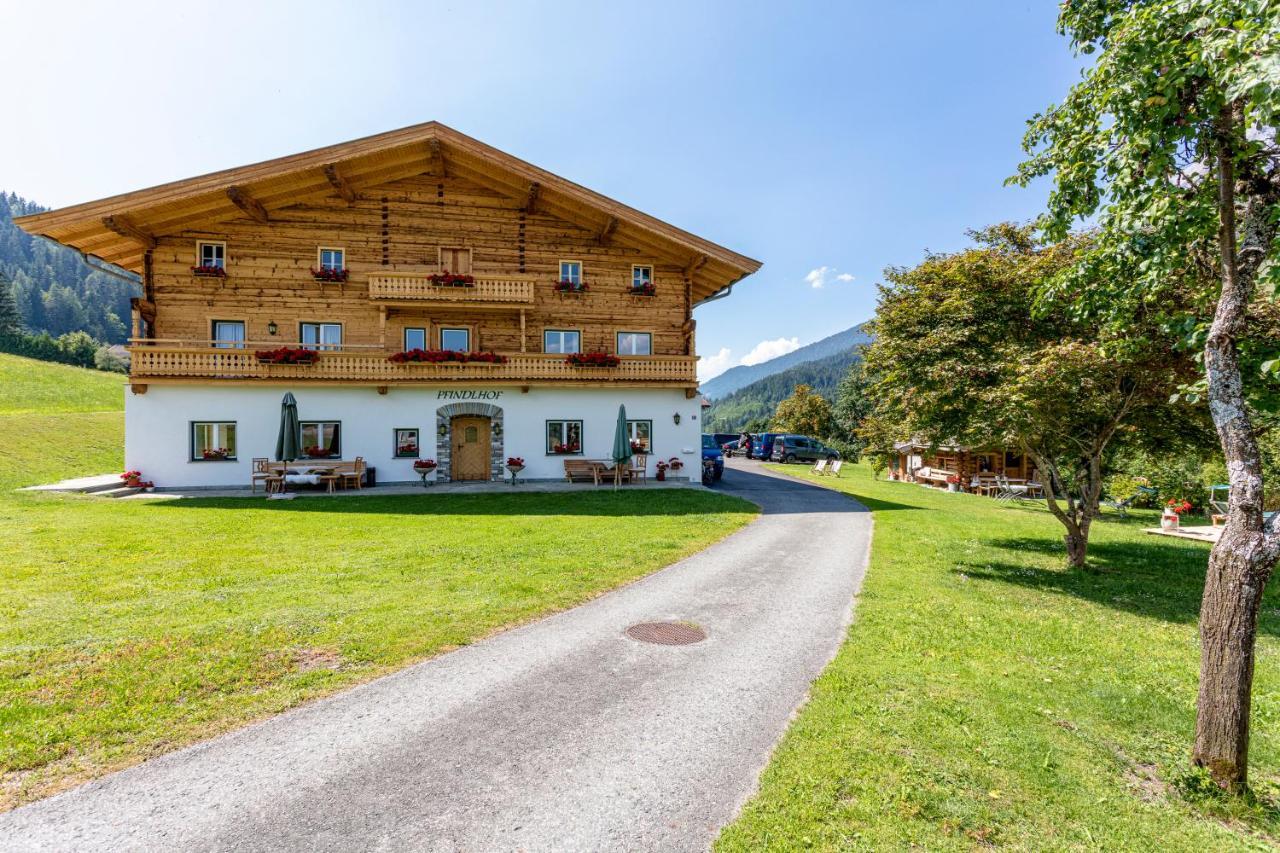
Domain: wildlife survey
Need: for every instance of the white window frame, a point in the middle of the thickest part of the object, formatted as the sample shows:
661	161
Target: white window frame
631	432
219	257
464	329
637	281
321	423
405	337
320	343
342	258
228	343
561	332
220	440
571	271
618	342
564	434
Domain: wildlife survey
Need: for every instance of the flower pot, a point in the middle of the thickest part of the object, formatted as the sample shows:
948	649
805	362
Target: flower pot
1169	521
953	487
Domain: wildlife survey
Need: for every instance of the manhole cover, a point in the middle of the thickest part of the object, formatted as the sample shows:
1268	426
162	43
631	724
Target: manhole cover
667	633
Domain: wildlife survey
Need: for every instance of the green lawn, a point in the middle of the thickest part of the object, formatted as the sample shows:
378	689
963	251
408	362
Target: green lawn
128	628
987	697
41	386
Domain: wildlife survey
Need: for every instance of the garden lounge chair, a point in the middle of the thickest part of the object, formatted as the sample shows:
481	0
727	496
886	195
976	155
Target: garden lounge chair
1007	491
834	470
820	467
1122	506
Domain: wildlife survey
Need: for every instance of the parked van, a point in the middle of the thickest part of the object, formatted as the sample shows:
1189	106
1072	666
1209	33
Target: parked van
762	444
801	448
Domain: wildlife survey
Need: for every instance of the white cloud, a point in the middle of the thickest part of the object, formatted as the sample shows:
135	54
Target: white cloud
818	278
711	366
766	350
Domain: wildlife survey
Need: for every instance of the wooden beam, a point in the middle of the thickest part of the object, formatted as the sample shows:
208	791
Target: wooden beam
122	225
436	156
249	205
607	231
339	183
697	263
531	199
145	308
138	387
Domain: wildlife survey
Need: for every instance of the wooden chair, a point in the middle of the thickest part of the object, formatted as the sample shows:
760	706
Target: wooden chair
639	469
261	473
581	469
356	473
330	480
820	467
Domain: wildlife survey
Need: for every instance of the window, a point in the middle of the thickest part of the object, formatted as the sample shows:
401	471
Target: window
571	271
415	339
640	276
213	441
228	334
635	343
456	261
564	437
320	335
211	255
641	434
332	259
406	443
456	339
322	439
562	341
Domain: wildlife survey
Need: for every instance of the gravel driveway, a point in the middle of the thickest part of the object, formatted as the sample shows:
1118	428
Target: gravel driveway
564	734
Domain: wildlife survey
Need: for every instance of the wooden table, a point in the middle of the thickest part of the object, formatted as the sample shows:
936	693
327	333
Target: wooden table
601	467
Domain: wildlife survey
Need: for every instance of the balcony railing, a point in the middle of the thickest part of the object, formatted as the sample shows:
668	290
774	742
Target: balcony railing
417	287
172	359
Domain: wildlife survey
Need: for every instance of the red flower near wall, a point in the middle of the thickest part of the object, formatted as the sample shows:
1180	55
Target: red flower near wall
643	289
592	359
329	274
444	356
564	285
448	279
287	355
213	271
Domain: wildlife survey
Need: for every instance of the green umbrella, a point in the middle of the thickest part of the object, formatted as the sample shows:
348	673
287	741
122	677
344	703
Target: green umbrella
289	442
621	443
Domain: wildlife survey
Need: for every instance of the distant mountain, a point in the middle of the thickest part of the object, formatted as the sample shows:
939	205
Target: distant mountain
743	375
761	398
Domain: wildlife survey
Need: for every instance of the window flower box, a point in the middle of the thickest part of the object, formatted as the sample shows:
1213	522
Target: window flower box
592	359
565	449
643	289
287	355
566	286
209	271
445	356
330	274
318	452
216	454
448	279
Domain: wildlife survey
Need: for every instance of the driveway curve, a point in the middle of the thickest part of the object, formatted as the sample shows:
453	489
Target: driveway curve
564	734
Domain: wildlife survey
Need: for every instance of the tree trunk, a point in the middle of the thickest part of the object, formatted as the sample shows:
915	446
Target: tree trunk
1242	560
1228	627
1077	547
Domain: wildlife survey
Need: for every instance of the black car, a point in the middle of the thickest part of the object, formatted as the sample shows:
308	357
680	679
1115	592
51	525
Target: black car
801	448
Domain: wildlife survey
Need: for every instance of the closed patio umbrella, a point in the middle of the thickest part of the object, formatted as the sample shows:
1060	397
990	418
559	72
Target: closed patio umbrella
621	445
289	441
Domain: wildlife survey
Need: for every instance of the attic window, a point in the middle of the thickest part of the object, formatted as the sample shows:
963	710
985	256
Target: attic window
211	255
332	259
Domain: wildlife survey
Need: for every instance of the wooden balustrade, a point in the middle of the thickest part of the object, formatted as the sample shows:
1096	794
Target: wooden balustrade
165	360
417	287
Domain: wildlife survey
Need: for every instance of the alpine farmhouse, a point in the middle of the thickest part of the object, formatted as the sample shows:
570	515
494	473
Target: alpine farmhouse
421	294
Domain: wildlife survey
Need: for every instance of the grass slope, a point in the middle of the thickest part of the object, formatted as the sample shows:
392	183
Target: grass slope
987	697
41	386
128	628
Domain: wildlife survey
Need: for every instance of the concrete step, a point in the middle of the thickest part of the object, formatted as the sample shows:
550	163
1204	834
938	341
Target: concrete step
119	492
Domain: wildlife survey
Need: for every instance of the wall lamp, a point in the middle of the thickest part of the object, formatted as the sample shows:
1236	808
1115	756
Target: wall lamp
442	430
272	328
676	418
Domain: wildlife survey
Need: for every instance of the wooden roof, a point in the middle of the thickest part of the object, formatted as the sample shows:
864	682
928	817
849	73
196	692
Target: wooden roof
121	228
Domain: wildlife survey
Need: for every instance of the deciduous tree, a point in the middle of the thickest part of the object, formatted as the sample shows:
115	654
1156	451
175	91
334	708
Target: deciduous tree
804	412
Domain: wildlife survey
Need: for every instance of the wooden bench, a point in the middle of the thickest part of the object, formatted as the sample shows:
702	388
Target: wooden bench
581	470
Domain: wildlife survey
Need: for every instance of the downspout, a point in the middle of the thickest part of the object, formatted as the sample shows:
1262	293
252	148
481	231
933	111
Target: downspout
93	262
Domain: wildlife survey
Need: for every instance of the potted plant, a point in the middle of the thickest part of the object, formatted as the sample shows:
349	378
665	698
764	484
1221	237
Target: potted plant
317	452
953	482
515	464
561	448
1169	519
329	274
208	271
216	453
564	285
592	359
133	480
662	469
425	468
674	464
644	288
445	356
448	279
287	355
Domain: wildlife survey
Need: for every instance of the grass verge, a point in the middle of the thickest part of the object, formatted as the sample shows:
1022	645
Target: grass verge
986	696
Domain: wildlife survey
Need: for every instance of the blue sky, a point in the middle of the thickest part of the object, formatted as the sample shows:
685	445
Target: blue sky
841	138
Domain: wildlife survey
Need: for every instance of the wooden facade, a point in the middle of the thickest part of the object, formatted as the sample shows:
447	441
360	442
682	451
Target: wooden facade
931	465
400	206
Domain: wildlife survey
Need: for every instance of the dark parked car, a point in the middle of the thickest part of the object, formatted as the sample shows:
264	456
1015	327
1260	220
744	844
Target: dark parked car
762	444
712	451
723	438
801	448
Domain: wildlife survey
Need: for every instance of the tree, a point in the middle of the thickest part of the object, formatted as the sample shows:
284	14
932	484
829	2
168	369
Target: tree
1169	142
963	354
804	412
852	406
10	319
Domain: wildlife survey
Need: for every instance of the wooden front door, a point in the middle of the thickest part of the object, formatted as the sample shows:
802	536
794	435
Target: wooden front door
470	448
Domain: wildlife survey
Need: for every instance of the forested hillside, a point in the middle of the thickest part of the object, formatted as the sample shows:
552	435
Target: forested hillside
743	375
55	291
759	399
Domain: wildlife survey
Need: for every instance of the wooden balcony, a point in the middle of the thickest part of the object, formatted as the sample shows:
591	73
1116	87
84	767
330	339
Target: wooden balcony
414	288
178	361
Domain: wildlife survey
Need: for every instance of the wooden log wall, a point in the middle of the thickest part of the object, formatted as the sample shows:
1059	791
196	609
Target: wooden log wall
402	226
